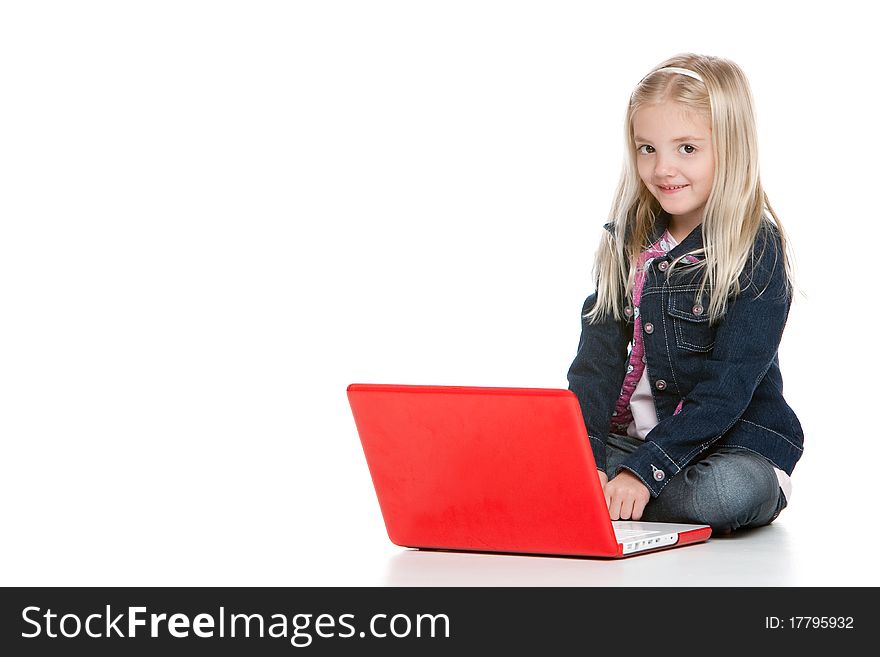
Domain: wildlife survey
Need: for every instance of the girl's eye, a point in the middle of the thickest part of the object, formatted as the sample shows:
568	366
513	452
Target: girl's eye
688	146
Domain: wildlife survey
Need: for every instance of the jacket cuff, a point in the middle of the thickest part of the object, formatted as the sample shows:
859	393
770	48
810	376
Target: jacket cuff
598	446
652	465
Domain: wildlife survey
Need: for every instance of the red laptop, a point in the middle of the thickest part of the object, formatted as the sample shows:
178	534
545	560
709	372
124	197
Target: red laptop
493	470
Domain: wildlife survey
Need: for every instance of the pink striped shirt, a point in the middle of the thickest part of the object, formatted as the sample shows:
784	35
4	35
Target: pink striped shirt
623	417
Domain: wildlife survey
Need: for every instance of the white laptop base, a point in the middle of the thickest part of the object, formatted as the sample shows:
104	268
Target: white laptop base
638	536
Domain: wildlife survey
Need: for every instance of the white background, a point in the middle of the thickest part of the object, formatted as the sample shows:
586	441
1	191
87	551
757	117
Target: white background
217	215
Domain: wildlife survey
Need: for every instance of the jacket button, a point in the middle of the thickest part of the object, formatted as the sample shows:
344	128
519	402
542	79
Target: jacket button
649	328
659	475
628	311
663	266
660	385
697	309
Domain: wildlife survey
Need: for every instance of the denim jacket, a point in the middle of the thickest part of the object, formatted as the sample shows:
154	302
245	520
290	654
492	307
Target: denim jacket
726	375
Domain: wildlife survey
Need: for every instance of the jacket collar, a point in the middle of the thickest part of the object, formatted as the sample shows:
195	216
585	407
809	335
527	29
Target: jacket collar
694	239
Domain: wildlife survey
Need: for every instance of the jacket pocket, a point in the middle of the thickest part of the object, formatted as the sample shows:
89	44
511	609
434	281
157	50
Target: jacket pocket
690	321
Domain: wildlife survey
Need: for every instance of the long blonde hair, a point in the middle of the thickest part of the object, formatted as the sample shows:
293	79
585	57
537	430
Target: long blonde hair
737	207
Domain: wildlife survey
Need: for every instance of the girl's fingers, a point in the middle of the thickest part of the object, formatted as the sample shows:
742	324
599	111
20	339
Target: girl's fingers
613	506
638	510
626	509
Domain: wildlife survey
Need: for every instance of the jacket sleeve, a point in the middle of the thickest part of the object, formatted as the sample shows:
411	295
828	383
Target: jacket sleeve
746	343
596	375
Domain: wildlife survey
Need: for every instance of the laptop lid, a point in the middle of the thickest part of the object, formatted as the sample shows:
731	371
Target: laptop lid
487	469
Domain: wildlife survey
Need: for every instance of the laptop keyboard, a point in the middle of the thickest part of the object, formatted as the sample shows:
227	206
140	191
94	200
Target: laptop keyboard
629	534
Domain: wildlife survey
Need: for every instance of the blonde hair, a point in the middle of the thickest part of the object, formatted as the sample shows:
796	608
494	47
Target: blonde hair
737	207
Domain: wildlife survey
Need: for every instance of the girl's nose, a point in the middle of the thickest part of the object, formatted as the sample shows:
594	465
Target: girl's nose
664	168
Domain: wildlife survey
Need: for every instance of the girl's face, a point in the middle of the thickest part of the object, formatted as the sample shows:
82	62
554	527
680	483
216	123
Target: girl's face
672	149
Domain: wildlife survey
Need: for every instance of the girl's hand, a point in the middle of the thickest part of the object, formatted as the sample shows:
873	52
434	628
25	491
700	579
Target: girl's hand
603	479
626	496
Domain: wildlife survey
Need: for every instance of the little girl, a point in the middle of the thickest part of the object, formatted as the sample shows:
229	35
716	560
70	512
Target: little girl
677	371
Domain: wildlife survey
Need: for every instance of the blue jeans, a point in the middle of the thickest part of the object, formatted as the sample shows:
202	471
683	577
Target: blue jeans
730	488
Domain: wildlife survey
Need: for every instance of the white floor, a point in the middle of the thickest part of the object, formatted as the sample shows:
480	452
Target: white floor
765	557
320	545
787	553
